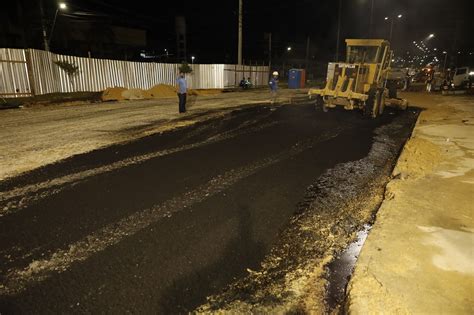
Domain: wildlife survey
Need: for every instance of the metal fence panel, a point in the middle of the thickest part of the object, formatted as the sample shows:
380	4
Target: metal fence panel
21	68
14	80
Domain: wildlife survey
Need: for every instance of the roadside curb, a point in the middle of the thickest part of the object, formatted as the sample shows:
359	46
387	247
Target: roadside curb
415	259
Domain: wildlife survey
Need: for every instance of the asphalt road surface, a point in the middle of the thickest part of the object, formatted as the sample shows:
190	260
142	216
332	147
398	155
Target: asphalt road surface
158	224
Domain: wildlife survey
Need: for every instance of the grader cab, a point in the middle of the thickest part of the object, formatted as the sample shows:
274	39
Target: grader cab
361	82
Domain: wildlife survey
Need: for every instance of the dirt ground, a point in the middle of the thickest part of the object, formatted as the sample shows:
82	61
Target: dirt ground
36	136
418	258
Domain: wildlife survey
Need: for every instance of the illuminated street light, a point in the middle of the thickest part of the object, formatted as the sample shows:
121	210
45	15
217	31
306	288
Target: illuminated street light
192	59
391	23
288	49
61	6
445	59
431	36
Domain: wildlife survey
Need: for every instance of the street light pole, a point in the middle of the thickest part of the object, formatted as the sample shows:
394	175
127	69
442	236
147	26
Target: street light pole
391	30
338	30
445	59
46	38
61	6
371	18
392	21
239	53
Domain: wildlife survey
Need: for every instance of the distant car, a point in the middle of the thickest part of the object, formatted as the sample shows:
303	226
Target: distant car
398	77
463	77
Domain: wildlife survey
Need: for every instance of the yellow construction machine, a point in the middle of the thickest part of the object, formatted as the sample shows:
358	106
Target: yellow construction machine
362	81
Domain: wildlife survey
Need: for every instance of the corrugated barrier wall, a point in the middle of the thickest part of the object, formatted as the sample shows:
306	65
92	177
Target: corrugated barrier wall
25	72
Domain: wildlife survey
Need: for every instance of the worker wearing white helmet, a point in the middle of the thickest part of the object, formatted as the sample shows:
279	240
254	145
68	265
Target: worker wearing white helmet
274	86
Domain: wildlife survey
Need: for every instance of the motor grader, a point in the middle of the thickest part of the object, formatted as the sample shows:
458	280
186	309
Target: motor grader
362	81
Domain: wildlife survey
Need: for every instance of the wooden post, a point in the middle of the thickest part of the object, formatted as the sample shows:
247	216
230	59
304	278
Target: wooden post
30	73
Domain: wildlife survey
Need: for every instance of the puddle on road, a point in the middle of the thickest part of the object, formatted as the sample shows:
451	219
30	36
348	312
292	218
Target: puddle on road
340	270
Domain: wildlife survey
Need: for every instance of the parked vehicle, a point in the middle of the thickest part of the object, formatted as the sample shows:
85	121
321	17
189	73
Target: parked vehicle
463	77
398	77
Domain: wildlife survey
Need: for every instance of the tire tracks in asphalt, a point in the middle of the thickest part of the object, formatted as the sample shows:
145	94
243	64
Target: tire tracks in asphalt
17	280
18	198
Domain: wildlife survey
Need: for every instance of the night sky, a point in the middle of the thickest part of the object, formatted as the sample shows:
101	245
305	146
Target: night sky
212	24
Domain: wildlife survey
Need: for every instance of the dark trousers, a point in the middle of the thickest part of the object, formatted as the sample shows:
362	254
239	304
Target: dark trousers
182	102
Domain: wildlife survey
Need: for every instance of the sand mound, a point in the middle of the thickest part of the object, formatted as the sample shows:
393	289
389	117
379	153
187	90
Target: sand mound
419	157
113	94
120	93
135	94
162	90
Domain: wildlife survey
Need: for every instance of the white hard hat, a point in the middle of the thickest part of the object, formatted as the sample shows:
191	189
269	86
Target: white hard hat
275	72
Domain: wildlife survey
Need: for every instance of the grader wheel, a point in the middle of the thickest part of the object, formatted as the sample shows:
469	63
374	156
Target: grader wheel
375	103
371	104
382	102
319	102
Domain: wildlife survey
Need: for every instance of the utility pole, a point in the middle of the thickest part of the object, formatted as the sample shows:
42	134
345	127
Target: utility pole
43	27
338	30
371	23
239	53
270	52
307	52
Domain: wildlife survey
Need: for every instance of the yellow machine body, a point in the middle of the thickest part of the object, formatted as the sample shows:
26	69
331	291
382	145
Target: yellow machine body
360	81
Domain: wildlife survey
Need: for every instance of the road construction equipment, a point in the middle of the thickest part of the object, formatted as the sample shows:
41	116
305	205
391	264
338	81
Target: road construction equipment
362	81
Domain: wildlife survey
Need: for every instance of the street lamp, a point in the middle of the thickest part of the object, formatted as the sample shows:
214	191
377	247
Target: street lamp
192	59
392	19
445	53
61	6
288	49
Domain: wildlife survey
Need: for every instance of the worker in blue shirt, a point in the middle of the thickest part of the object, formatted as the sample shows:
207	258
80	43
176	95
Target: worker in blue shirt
182	90
274	87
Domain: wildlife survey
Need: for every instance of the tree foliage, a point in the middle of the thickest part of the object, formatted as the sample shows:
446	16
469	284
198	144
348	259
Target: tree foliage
185	68
70	68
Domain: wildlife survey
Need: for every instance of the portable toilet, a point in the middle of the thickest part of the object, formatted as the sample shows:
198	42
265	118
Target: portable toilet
296	78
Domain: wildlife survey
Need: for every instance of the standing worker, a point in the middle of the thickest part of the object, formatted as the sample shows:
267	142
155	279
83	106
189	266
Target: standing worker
430	80
273	87
182	89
